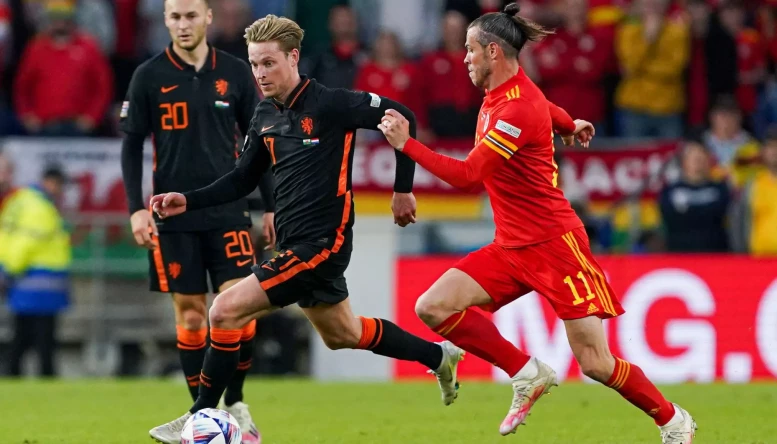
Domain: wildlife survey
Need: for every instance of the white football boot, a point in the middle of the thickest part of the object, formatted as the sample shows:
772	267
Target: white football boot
533	381
681	429
239	411
170	433
446	373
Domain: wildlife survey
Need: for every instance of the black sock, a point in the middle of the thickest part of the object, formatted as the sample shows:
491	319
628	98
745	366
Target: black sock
384	338
191	349
220	363
234	391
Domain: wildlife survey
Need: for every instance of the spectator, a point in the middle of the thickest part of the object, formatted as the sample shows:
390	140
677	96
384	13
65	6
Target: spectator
389	74
6	179
154	32
751	55
759	203
450	102
653	53
573	64
35	259
96	18
126	57
5	48
337	66
694	208
699	13
230	18
412	21
734	150
64	84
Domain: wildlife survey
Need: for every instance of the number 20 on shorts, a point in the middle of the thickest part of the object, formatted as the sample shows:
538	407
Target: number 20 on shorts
571	283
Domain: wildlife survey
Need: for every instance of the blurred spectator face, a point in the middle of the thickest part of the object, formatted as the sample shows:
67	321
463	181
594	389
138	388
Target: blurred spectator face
769	154
575	11
187	21
54	185
732	17
387	48
699	12
6	173
60	16
726	122
695	162
342	24
454	31
478	64
652	7
232	16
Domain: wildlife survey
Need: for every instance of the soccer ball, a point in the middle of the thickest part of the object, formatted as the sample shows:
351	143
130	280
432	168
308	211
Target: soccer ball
211	426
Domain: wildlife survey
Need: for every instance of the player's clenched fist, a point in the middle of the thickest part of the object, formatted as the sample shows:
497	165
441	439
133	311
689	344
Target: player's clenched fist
396	129
168	204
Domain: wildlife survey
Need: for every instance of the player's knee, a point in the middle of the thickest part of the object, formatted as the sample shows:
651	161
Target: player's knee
595	363
224	313
194	318
431	309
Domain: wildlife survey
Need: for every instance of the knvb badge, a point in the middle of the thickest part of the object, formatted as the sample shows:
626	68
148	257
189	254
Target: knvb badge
222	104
124	110
310	141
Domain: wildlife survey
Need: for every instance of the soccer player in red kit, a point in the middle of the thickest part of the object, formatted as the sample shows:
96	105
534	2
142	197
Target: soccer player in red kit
540	243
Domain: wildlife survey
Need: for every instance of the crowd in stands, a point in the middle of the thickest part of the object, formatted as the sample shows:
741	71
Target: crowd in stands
699	70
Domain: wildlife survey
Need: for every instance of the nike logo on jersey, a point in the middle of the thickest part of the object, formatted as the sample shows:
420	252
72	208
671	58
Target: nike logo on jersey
265	128
167	89
245	262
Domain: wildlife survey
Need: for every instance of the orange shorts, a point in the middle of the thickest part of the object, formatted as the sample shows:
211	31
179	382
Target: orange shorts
563	270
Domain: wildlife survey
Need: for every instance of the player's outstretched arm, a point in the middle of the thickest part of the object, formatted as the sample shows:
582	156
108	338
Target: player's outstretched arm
481	162
238	183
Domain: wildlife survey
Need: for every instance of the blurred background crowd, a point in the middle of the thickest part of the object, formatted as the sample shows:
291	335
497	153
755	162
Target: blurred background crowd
692	80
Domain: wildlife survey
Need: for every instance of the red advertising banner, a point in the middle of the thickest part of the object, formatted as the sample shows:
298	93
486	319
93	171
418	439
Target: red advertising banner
603	175
698	318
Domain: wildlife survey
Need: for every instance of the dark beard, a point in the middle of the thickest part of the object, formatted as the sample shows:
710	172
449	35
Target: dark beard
480	81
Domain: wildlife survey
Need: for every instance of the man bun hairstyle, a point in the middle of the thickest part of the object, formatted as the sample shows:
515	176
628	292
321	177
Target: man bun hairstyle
509	30
271	28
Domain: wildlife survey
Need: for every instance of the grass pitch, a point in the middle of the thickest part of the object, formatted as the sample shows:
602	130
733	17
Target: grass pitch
304	412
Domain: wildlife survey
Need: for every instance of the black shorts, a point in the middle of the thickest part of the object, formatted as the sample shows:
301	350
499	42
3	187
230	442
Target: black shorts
306	274
181	260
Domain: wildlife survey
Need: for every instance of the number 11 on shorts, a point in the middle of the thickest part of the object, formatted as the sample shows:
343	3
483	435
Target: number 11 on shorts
578	300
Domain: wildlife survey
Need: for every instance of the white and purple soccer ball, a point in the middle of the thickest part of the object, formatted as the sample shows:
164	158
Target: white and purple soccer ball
211	426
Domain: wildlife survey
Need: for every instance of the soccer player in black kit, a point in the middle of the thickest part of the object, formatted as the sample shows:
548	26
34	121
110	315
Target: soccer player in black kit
190	98
304	132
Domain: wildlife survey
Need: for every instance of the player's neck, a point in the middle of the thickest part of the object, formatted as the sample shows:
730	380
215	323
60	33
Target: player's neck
505	71
296	80
196	57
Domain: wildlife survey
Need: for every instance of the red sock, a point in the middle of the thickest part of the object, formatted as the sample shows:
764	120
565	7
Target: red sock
474	333
629	380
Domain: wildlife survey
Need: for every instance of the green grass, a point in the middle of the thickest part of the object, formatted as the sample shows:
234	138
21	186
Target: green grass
295	411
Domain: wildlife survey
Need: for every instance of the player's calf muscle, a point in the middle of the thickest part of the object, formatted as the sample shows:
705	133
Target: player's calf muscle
348	336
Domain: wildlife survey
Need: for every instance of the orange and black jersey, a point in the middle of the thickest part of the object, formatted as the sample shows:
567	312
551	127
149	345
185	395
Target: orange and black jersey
309	143
191	116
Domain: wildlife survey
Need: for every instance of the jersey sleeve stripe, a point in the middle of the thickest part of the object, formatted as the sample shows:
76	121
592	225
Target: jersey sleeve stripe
501	151
505	142
500	143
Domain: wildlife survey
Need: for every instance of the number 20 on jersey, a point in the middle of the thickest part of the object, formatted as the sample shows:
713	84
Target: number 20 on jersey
175	116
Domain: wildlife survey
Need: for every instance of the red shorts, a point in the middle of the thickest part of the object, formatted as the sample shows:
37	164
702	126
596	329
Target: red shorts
563	270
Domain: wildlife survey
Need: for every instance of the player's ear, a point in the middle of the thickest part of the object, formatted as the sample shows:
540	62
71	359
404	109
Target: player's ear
209	16
294	57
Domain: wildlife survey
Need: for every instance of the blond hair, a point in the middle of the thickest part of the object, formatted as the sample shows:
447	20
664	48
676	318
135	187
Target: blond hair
271	28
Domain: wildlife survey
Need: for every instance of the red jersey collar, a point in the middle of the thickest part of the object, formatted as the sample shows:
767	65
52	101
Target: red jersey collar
504	87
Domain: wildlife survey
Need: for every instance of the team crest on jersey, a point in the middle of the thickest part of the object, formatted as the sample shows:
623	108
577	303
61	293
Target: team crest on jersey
174	268
221	87
307	125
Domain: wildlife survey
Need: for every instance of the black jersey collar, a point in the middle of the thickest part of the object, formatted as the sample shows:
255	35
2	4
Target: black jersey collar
210	62
296	93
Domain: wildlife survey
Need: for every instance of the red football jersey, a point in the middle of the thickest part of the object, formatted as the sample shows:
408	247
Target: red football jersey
515	121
